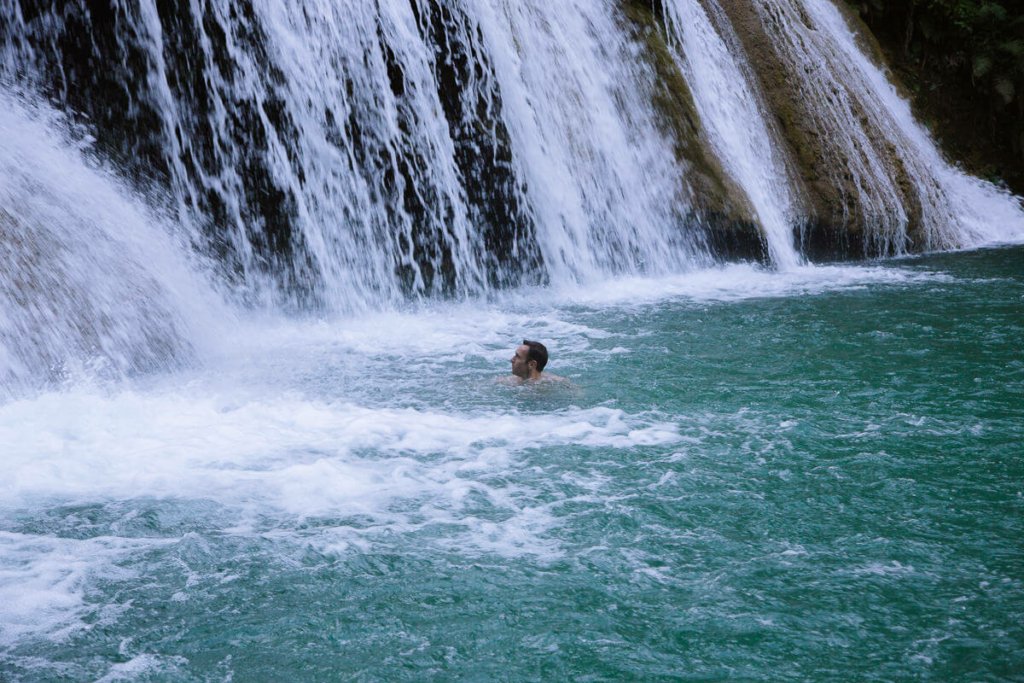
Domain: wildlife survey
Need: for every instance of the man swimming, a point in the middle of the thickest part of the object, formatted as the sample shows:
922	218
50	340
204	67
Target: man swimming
528	363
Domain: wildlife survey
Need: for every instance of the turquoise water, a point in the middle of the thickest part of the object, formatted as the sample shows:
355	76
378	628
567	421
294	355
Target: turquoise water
803	476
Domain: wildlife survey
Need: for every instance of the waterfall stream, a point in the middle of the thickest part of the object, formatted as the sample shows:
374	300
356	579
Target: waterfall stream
607	193
94	283
735	119
884	161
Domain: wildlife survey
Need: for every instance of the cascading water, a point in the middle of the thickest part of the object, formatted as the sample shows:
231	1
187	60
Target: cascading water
357	153
607	193
734	118
89	272
882	160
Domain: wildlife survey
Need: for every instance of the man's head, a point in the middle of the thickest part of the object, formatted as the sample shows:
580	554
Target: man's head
529	359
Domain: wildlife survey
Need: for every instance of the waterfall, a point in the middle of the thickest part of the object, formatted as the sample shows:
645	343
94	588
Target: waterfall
734	118
607	192
882	159
349	156
90	274
357	153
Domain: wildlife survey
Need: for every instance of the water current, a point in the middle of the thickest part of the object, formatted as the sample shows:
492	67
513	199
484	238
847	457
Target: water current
760	475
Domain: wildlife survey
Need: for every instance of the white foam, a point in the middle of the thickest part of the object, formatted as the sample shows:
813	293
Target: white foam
43	581
459	331
487	329
738	282
139	665
893	568
286	453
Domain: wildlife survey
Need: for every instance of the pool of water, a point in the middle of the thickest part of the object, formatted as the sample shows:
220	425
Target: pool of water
815	474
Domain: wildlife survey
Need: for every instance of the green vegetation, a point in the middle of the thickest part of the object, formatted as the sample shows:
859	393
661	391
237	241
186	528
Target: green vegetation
963	61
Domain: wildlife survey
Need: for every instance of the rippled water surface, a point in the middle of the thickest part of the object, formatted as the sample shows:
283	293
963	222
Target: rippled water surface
809	475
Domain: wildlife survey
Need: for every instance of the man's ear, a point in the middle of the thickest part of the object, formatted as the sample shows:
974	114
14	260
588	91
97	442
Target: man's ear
532	364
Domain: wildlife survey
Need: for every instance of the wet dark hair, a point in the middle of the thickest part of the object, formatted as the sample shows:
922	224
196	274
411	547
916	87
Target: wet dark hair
537	352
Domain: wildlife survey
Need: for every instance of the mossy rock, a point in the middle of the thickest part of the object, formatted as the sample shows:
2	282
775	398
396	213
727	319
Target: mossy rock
721	208
836	204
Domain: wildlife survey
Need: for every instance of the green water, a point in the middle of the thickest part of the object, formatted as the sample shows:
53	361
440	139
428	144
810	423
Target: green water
821	485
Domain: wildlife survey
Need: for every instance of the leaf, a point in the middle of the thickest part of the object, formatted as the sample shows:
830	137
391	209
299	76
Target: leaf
1004	86
991	11
981	65
928	29
1013	47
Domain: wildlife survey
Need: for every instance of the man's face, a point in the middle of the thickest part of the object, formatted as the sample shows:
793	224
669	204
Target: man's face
520	364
